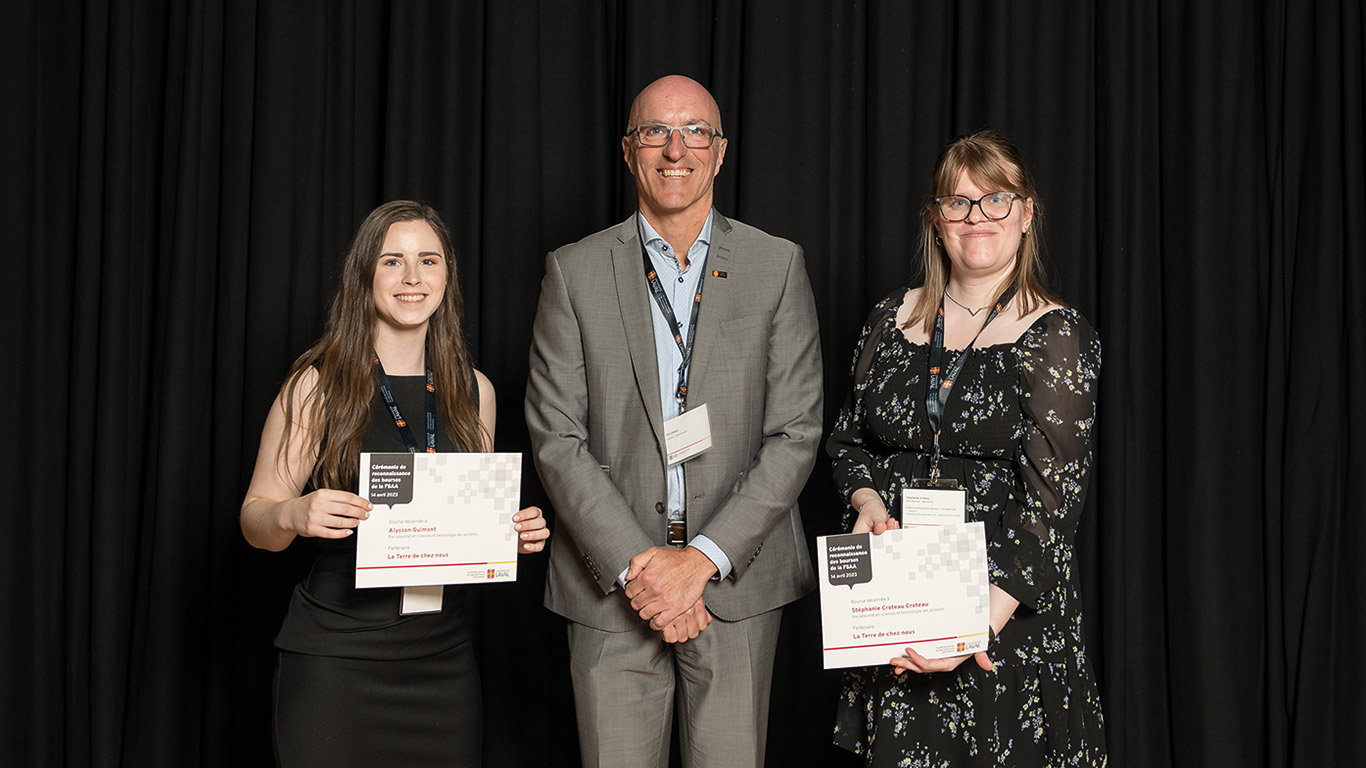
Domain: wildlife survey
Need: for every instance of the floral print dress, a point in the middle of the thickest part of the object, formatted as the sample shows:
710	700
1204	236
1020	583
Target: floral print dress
1017	435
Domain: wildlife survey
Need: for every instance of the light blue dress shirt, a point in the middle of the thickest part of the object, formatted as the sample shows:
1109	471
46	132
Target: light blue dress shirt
680	285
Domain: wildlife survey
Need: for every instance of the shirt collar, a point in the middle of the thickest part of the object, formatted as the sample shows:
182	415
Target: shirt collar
654	240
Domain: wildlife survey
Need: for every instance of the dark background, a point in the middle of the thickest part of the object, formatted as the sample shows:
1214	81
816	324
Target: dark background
179	182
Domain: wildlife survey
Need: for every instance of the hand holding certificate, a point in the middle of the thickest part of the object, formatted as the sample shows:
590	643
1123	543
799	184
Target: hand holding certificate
438	518
923	587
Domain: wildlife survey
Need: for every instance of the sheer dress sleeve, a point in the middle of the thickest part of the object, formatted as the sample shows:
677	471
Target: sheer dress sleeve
848	444
1059	372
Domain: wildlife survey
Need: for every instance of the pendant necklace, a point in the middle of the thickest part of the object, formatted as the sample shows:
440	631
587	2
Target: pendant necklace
971	312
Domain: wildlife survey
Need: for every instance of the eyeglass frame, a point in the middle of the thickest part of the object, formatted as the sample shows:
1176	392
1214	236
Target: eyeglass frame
939	206
635	131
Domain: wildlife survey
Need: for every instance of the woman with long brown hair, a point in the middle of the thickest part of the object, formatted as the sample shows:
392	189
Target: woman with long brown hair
358	681
983	380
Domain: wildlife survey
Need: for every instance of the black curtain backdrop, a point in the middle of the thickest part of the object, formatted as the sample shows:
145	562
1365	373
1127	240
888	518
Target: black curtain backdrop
181	180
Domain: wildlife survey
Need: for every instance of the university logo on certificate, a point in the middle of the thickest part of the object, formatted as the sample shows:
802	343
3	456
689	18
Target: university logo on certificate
924	587
438	518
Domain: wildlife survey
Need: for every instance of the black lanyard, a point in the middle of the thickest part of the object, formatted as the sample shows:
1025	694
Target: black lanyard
937	395
662	299
399	421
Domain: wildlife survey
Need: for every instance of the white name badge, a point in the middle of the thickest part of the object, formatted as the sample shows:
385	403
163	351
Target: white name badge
687	435
933	506
421	599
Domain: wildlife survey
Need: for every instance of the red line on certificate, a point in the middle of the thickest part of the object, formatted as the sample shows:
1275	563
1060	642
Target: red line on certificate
430	565
905	642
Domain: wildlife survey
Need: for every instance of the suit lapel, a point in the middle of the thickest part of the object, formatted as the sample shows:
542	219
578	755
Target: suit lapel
717	297
633	298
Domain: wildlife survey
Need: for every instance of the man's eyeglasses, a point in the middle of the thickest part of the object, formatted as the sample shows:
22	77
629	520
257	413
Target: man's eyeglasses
658	135
994	206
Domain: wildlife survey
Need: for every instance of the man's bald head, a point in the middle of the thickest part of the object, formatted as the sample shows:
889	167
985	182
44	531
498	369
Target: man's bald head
672	89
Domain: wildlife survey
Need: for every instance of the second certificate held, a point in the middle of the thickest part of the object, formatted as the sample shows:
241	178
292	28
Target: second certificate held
923	587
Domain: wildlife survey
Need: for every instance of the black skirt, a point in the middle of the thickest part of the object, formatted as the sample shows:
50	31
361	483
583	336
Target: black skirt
335	712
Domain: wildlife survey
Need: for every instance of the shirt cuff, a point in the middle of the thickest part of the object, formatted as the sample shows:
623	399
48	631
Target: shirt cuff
718	558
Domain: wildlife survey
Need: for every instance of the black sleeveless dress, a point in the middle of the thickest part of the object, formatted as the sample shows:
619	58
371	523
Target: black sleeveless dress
358	684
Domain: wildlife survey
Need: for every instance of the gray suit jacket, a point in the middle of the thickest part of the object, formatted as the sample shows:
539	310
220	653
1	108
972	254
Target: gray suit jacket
597	428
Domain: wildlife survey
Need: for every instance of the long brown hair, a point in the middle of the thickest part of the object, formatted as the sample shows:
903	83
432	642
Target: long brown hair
993	162
339	405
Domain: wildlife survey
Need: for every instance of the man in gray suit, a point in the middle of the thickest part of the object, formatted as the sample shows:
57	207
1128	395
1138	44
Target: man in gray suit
675	311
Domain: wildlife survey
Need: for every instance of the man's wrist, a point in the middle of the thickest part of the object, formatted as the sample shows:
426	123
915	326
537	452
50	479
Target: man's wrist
719	564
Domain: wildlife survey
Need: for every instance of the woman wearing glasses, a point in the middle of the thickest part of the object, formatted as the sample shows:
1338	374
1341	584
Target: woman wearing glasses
362	678
982	378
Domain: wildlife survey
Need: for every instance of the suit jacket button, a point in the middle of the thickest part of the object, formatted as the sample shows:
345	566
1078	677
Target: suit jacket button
659	507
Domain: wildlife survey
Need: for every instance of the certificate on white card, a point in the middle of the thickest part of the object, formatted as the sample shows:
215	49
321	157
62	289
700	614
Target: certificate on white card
438	518
924	588
687	434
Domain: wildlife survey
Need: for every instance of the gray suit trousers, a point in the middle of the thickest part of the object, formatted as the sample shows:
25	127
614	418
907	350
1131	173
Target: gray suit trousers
626	684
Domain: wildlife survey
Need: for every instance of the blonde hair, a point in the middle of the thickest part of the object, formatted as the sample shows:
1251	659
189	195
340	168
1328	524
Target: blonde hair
994	163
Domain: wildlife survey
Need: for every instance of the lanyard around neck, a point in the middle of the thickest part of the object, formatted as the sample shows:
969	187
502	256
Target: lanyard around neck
941	382
662	299
407	434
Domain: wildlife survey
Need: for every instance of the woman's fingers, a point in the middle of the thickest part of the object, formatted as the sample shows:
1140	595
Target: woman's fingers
914	662
532	531
330	514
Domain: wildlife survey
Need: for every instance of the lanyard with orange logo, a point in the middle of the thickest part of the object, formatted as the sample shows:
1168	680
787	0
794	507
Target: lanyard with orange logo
399	421
941	382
